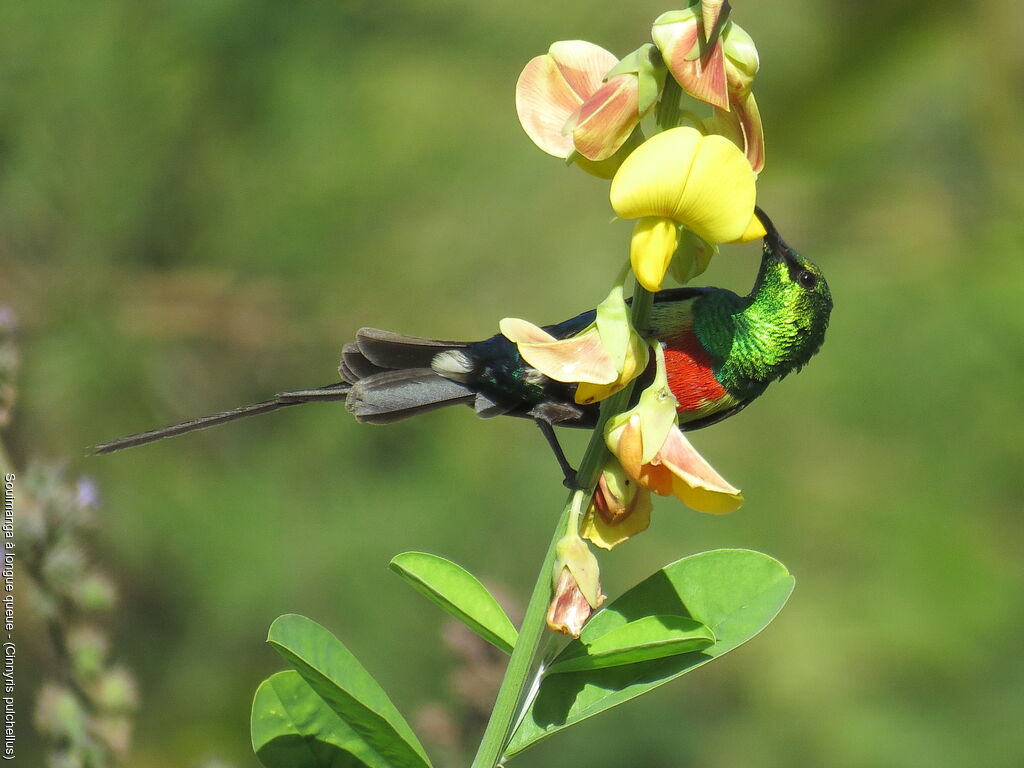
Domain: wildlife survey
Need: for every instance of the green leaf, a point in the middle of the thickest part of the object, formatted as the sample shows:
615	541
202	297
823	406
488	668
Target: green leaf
457	592
292	727
734	592
652	637
330	669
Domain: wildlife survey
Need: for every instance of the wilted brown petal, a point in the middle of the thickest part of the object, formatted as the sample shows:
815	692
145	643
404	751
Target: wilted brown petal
569	609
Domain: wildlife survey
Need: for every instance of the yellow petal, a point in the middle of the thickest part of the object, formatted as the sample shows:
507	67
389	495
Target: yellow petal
702	182
651	249
552	87
594	393
706	501
755	231
635	363
718	200
623	344
580	358
651	180
695	482
607	535
624	439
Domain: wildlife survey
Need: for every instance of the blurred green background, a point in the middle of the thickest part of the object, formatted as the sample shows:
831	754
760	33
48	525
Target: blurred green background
202	200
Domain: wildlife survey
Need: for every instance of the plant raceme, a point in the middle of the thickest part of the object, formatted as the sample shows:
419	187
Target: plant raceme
686	174
688	188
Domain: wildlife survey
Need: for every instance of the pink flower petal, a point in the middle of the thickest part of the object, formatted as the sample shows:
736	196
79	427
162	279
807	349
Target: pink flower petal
516	330
696	482
581	358
582	64
703	77
753	132
553	86
711	11
607	118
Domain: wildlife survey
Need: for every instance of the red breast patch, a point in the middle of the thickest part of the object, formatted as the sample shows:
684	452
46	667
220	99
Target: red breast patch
690	375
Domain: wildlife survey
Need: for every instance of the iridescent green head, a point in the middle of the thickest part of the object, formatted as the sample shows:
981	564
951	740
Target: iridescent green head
789	309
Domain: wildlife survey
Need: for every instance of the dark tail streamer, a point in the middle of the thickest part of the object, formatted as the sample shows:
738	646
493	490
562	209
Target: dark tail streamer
331	392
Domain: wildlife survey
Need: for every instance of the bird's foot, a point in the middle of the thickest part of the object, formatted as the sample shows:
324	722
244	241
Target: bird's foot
568	473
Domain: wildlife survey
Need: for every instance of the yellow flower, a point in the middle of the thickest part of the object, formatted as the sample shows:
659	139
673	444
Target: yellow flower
654	452
619	509
676	469
682	178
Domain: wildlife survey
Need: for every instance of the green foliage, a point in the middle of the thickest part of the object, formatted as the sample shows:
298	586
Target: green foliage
645	639
292	727
459	593
198	207
334	675
735	593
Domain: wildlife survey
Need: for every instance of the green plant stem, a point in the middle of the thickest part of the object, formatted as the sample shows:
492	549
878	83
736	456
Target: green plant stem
668	110
521	669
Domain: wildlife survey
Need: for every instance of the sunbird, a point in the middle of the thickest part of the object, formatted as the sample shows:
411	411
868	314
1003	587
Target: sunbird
721	352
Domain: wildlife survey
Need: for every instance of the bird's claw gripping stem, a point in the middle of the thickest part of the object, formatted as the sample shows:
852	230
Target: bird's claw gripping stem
568	473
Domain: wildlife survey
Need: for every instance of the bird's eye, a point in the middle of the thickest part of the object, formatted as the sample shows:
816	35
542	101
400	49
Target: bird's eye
807	279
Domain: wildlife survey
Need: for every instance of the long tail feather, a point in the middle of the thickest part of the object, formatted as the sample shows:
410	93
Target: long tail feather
282	400
387	377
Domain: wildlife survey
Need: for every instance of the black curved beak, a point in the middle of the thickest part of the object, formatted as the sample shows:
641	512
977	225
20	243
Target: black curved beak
774	245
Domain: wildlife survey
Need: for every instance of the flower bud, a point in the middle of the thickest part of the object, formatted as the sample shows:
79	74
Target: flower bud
577	589
87	648
117	691
741	60
94	592
569	609
59	715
